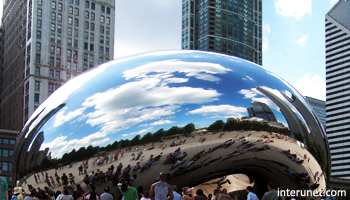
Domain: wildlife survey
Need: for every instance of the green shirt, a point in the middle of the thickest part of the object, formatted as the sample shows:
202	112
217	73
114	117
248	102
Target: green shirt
4	187
130	194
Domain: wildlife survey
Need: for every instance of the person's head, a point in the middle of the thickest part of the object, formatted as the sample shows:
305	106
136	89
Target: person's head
10	187
210	196
65	192
174	187
17	190
185	190
146	194
92	188
224	191
106	189
134	175
216	192
249	189
162	176
271	186
236	197
78	186
199	192
126	183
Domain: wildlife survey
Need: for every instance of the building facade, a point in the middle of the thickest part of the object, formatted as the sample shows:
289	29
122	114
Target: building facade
338	87
48	42
319	107
7	145
231	27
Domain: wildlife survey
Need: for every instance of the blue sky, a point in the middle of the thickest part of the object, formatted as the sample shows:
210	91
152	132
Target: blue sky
293	35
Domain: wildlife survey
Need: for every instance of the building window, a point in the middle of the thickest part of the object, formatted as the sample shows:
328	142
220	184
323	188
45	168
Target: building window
59	7
91	47
85	57
53	27
53	5
102	9
59	28
53	16
58	62
51	73
70	1
52	37
52	61
107	51
107	41
37	70
92	6
58	51
59	39
92	36
76	43
37	85
75	54
68	76
68	64
92	16
108	20
59	17
37	58
38	24
38	34
76	2
70	30
70	20
91	58
76	32
12	142
74	66
36	97
85	67
86	35
52	49
102	39
39	12
92	26
86	46
107	30
87	4
102	29
102	19
86	25
40	2
58	74
106	60
70	10
100	61
76	11
4	166
50	87
108	10
5	141
69	42
101	49
69	53
76	22
87	14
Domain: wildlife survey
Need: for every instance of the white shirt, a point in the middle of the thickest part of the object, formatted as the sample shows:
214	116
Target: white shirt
252	196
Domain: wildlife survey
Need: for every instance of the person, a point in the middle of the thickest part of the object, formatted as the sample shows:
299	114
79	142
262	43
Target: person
177	196
200	195
65	187
31	196
52	181
47	181
80	189
187	194
161	189
80	168
251	195
91	195
210	196
120	167
272	193
71	179
66	195
106	195
126	171
18	193
145	196
137	166
10	192
129	193
64	179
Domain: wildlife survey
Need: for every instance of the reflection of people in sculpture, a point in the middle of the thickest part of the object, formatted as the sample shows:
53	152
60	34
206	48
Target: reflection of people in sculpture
161	189
187	192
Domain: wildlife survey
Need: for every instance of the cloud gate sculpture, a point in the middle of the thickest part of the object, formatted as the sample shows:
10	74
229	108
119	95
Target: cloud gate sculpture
194	115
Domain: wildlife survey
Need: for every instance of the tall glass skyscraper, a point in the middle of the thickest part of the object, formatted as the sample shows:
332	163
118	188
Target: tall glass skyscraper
338	87
231	27
319	107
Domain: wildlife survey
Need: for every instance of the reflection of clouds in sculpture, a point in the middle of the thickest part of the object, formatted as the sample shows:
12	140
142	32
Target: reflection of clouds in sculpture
61	118
199	70
248	78
220	110
60	145
253	93
138	132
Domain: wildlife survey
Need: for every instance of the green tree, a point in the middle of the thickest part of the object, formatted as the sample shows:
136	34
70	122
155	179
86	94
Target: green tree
218	125
159	134
189	128
148	137
230	125
135	140
174	131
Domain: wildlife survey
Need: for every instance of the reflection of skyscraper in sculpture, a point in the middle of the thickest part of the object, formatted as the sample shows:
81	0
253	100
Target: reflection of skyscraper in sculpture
35	156
261	110
292	119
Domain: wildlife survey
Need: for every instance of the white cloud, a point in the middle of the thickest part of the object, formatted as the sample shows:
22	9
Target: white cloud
61	118
138	133
266	32
312	86
219	110
301	41
248	78
253	94
293	8
249	94
160	122
333	1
